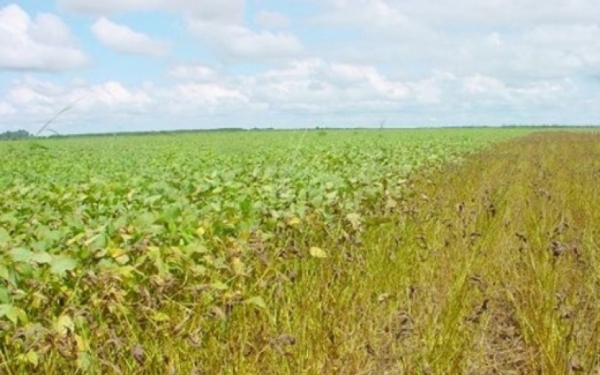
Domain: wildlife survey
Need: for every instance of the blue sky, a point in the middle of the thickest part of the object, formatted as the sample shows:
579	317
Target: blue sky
159	64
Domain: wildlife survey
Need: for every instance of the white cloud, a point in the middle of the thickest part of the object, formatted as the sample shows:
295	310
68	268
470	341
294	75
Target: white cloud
37	97
500	12
271	20
40	43
317	86
508	39
193	72
199	98
372	15
218	25
6	109
230	12
125	40
493	91
113	105
434	89
570	47
237	42
478	84
113	94
105	7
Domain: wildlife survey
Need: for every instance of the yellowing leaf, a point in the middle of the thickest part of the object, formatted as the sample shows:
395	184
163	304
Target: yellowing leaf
217	313
63	325
37	300
354	220
130	195
198	270
126	271
82	346
294	221
160	317
238	266
391	203
116	252
123	259
32	357
317	252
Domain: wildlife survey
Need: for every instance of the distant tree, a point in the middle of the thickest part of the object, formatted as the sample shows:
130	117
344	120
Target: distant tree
18	134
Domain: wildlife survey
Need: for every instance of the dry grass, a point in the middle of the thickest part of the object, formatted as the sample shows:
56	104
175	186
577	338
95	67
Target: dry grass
503	254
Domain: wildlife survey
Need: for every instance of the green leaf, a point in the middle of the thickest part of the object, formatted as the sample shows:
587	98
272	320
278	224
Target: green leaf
53	235
4	274
97	241
61	265
4	236
42	258
4	295
84	362
219	286
9	219
145	220
256	301
151	200
13	313
21	255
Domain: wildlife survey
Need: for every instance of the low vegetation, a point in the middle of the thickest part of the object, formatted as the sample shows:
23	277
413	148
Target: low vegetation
457	251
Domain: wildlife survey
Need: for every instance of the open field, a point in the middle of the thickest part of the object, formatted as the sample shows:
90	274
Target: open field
352	252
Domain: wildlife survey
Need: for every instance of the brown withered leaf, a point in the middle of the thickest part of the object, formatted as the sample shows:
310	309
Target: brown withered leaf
138	354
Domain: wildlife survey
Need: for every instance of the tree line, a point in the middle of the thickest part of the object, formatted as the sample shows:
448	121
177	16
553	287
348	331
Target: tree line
17	134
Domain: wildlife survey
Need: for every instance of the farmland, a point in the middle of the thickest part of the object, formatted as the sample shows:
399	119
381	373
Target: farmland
416	251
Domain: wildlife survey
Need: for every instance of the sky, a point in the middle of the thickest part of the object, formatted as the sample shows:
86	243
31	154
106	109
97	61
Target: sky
132	65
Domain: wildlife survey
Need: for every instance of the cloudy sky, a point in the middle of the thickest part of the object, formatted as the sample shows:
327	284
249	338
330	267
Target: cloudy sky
170	64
